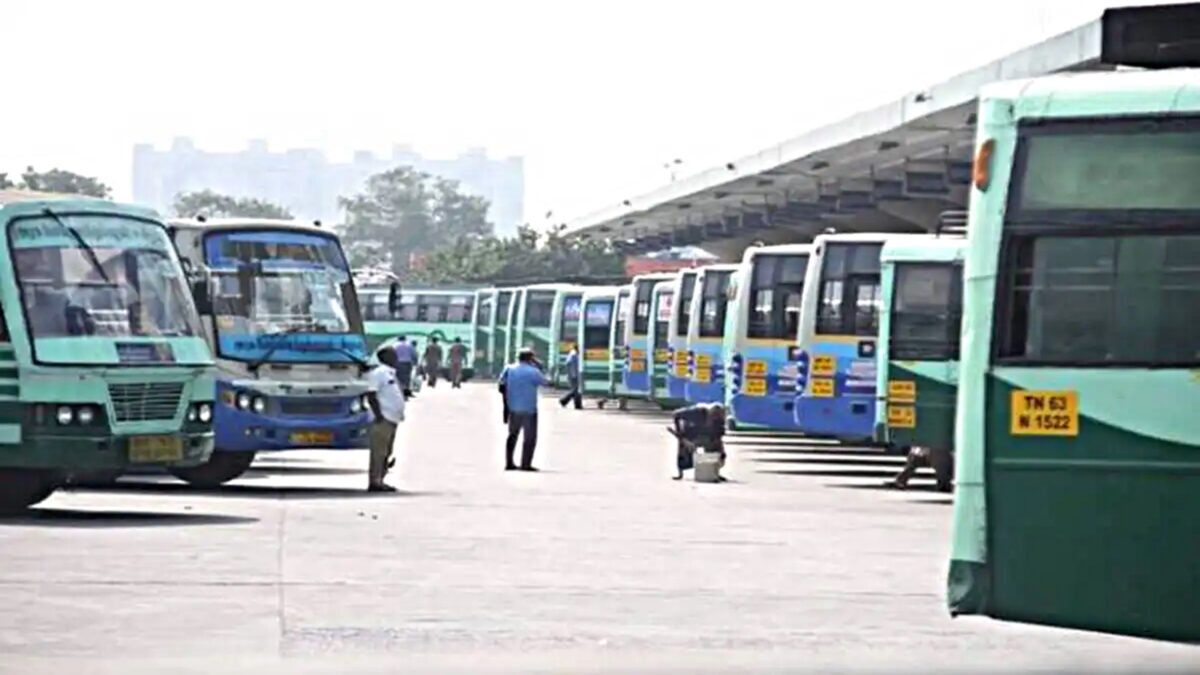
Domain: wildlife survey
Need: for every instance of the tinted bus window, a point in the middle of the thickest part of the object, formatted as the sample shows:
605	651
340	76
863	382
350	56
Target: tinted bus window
539	309
849	293
459	310
1099	300
926	312
374	305
502	304
597	324
408	307
687	289
570	318
662	319
622	317
776	287
483	311
713	303
641	307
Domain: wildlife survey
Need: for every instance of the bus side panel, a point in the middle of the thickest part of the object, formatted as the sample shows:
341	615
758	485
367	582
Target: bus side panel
921	399
1101	529
635	372
764	392
839	400
707	383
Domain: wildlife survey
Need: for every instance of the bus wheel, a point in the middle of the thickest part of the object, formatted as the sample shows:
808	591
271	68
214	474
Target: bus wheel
601	403
22	488
623	404
222	467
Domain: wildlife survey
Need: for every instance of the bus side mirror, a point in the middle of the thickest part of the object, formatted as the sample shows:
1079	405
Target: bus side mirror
201	283
394	298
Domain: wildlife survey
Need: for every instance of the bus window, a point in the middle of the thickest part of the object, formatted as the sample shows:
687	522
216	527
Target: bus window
459	309
687	289
409	307
1102	300
641	307
622	317
926	312
597	324
662	319
775	290
849	293
502	305
431	308
483	311
569	321
713	303
539	309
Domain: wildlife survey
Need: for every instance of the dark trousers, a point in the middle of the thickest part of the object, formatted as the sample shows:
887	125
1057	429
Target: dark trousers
519	423
573	394
404	371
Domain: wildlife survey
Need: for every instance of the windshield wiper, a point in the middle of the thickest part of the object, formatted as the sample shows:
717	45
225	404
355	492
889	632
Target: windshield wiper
253	366
83	245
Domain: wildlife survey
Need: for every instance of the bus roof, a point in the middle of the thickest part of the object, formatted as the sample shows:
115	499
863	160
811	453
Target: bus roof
1091	94
552	287
29	200
721	267
655	276
249	224
926	248
600	292
863	237
779	249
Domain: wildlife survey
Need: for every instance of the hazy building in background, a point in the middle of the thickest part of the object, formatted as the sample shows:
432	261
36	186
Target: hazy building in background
308	184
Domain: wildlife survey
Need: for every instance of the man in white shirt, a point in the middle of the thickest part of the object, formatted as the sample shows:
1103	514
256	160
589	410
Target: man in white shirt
387	403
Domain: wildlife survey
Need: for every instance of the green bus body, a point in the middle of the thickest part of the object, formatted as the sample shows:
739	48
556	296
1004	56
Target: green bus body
596	326
1078	439
538	321
141	382
482	331
424	313
564	334
502	313
919	327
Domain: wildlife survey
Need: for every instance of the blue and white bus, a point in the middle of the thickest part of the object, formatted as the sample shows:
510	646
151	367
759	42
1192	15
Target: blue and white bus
837	337
678	372
637	366
762	373
706	334
284	323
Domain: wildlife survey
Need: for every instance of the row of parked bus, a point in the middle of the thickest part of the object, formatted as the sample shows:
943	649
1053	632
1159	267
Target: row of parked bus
1054	348
128	342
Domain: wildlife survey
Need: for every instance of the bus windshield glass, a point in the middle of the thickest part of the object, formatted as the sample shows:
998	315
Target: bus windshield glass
687	288
622	317
775	291
714	301
99	275
849	294
926	312
596	324
662	318
570	318
539	309
283	296
641	307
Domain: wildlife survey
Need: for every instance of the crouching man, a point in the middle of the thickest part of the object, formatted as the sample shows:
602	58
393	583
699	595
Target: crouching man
701	426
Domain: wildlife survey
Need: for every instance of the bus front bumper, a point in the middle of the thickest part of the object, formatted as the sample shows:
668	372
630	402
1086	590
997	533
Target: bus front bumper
245	431
73	454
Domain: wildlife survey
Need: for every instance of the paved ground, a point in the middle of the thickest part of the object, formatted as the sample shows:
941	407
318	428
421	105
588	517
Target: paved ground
597	563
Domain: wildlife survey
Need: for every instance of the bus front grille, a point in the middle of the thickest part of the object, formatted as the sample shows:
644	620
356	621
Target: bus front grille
145	401
314	406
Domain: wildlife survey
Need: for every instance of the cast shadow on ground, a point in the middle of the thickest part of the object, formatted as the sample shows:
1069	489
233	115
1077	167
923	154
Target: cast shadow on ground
921	487
87	519
241	491
262	470
836	461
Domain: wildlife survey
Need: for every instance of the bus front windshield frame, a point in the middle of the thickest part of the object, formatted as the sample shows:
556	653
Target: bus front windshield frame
283	296
98	275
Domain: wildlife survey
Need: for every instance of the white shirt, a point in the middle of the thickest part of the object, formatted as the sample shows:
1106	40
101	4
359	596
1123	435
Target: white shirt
382	382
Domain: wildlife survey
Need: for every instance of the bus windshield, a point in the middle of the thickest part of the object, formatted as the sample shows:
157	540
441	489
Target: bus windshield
849	297
662	318
622	317
714	301
539	309
687	289
596	324
276	290
776	286
99	275
926	311
641	307
570	318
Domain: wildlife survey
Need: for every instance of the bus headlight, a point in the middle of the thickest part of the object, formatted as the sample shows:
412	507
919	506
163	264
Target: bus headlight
205	412
192	414
64	415
259	404
356	405
86	415
243	401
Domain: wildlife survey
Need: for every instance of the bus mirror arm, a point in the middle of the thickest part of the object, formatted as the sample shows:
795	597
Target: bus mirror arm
394	298
201	281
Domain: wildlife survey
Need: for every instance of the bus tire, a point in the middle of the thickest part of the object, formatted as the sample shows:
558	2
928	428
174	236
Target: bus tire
22	488
221	468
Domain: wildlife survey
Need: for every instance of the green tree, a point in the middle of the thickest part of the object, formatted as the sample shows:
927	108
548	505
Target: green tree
215	205
524	258
65	182
5	183
404	215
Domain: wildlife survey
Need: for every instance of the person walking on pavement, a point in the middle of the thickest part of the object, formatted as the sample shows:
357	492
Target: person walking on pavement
520	382
573	384
700	426
433	361
458	356
406	358
387	404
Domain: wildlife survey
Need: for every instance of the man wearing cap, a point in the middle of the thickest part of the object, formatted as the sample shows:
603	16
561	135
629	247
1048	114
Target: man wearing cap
520	382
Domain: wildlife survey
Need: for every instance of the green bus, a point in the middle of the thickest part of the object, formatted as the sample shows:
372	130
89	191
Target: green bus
501	319
105	365
596	328
919	325
564	334
423	313
537	318
1078	439
482	331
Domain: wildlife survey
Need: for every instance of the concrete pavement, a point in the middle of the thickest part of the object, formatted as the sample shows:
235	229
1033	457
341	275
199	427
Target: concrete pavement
598	563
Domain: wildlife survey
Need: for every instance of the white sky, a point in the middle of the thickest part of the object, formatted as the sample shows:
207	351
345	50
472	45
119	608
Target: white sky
596	95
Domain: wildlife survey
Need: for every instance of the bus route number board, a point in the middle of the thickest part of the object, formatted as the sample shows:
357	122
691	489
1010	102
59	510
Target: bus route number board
1044	413
756	386
756	368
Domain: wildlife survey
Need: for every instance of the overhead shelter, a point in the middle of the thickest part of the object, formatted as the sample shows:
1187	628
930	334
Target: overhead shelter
896	167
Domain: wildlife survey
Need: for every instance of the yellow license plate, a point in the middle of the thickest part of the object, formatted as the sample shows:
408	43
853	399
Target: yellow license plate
821	388
703	361
312	437
824	365
756	387
143	449
902	391
1045	413
756	369
902	416
703	376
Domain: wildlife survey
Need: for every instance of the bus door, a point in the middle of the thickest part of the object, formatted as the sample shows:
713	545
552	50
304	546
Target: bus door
707	382
597	350
677	339
659	347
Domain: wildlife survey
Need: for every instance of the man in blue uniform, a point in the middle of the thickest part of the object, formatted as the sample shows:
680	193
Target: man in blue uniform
520	382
